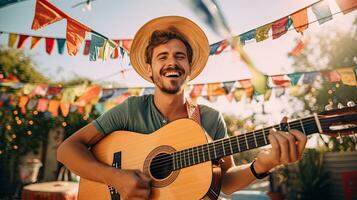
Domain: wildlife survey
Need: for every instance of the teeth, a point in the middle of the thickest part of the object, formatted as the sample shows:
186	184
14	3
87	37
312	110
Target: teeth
167	74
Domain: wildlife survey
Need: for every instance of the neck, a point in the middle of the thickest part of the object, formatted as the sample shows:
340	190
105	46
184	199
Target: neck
172	106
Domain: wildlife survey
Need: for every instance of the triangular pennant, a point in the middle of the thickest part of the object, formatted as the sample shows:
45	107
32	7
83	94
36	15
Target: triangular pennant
322	11
298	48
53	90
215	89
50	43
35	41
22	103
278	80
126	44
228	86
196	90
294	78
22	40
31	104
60	45
75	34
300	20
45	14
64	106
108	49
12	39
42	105
53	106
213	48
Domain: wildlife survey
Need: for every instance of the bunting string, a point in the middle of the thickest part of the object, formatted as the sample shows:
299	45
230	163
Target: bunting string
83	97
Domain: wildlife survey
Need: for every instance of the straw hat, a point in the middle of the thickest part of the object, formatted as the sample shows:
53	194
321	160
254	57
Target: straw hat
192	33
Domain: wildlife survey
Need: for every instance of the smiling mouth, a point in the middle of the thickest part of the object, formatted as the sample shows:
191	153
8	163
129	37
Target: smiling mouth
172	74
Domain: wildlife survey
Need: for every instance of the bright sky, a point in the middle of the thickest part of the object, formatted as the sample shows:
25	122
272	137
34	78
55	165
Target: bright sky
120	19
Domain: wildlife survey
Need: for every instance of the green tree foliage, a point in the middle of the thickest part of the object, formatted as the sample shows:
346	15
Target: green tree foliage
25	132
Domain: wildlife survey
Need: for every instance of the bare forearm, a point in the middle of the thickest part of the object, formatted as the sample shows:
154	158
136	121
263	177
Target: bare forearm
77	158
237	178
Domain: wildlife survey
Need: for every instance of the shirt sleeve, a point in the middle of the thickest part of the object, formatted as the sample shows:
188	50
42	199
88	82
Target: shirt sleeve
114	119
221	128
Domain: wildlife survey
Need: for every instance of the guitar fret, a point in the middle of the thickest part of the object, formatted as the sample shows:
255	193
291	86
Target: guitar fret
237	138
188	157
302	126
214	150
265	140
223	147
288	125
193	156
255	139
230	146
246	141
209	155
173	161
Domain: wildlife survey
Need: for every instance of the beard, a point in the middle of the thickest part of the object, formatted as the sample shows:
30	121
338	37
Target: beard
173	86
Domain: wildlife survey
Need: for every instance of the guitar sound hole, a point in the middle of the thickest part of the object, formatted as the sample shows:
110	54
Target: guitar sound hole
161	166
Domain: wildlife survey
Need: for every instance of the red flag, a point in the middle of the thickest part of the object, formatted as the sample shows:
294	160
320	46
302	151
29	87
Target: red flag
75	35
86	48
279	27
298	49
22	40
50	42
126	44
46	14
279	80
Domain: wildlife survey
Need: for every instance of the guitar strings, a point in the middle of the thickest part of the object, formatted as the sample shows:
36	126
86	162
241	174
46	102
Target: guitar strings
185	153
207	149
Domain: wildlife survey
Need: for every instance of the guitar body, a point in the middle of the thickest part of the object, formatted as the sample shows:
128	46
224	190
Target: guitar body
137	151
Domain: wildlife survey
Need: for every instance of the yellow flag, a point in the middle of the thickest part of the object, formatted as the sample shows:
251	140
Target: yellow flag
348	76
262	33
12	39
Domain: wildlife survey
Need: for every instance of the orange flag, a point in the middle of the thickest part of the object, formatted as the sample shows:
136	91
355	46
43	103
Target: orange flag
64	108
34	41
298	48
53	107
22	103
75	35
215	89
46	14
300	20
91	94
126	44
347	6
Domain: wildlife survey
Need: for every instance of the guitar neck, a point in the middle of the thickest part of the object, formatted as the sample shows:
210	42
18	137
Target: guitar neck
238	143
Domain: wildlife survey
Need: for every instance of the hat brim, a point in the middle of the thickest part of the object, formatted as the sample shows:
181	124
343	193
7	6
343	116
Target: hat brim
191	31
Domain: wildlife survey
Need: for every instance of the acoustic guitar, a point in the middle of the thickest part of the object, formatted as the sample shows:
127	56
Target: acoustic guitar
179	159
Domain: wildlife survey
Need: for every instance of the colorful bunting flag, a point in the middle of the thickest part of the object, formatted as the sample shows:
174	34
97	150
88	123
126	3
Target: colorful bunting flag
60	45
42	105
76	32
92	94
50	43
322	11
298	48
228	86
279	27
126	44
22	103
35	41
196	90
22	40
54	90
331	75
294	78
45	14
348	76
247	36
96	43
300	20
347	6
310	77
64	106
12	39
53	107
262	33
280	81
32	104
215	89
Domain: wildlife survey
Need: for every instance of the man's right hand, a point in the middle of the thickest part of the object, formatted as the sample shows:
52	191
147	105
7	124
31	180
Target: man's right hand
131	184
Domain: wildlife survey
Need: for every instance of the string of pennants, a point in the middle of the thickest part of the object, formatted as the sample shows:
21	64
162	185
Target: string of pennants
83	98
101	47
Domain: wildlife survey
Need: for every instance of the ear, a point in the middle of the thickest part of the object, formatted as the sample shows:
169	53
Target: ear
149	68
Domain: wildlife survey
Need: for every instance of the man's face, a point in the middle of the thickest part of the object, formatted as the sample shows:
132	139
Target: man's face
170	69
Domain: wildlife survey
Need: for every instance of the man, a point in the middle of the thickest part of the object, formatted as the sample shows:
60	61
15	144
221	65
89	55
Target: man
168	51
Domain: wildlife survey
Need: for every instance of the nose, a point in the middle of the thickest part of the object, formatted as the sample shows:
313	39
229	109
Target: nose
171	61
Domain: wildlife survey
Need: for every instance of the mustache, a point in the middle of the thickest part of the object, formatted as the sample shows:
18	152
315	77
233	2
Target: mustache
170	68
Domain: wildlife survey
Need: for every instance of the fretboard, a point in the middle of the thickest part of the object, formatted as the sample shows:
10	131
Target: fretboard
236	144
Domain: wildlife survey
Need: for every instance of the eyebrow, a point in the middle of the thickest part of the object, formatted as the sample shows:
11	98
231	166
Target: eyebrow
166	53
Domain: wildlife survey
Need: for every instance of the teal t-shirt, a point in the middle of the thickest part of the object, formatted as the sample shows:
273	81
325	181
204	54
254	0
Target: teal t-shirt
139	114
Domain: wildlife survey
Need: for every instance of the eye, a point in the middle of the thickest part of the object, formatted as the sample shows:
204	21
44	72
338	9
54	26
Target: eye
162	57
